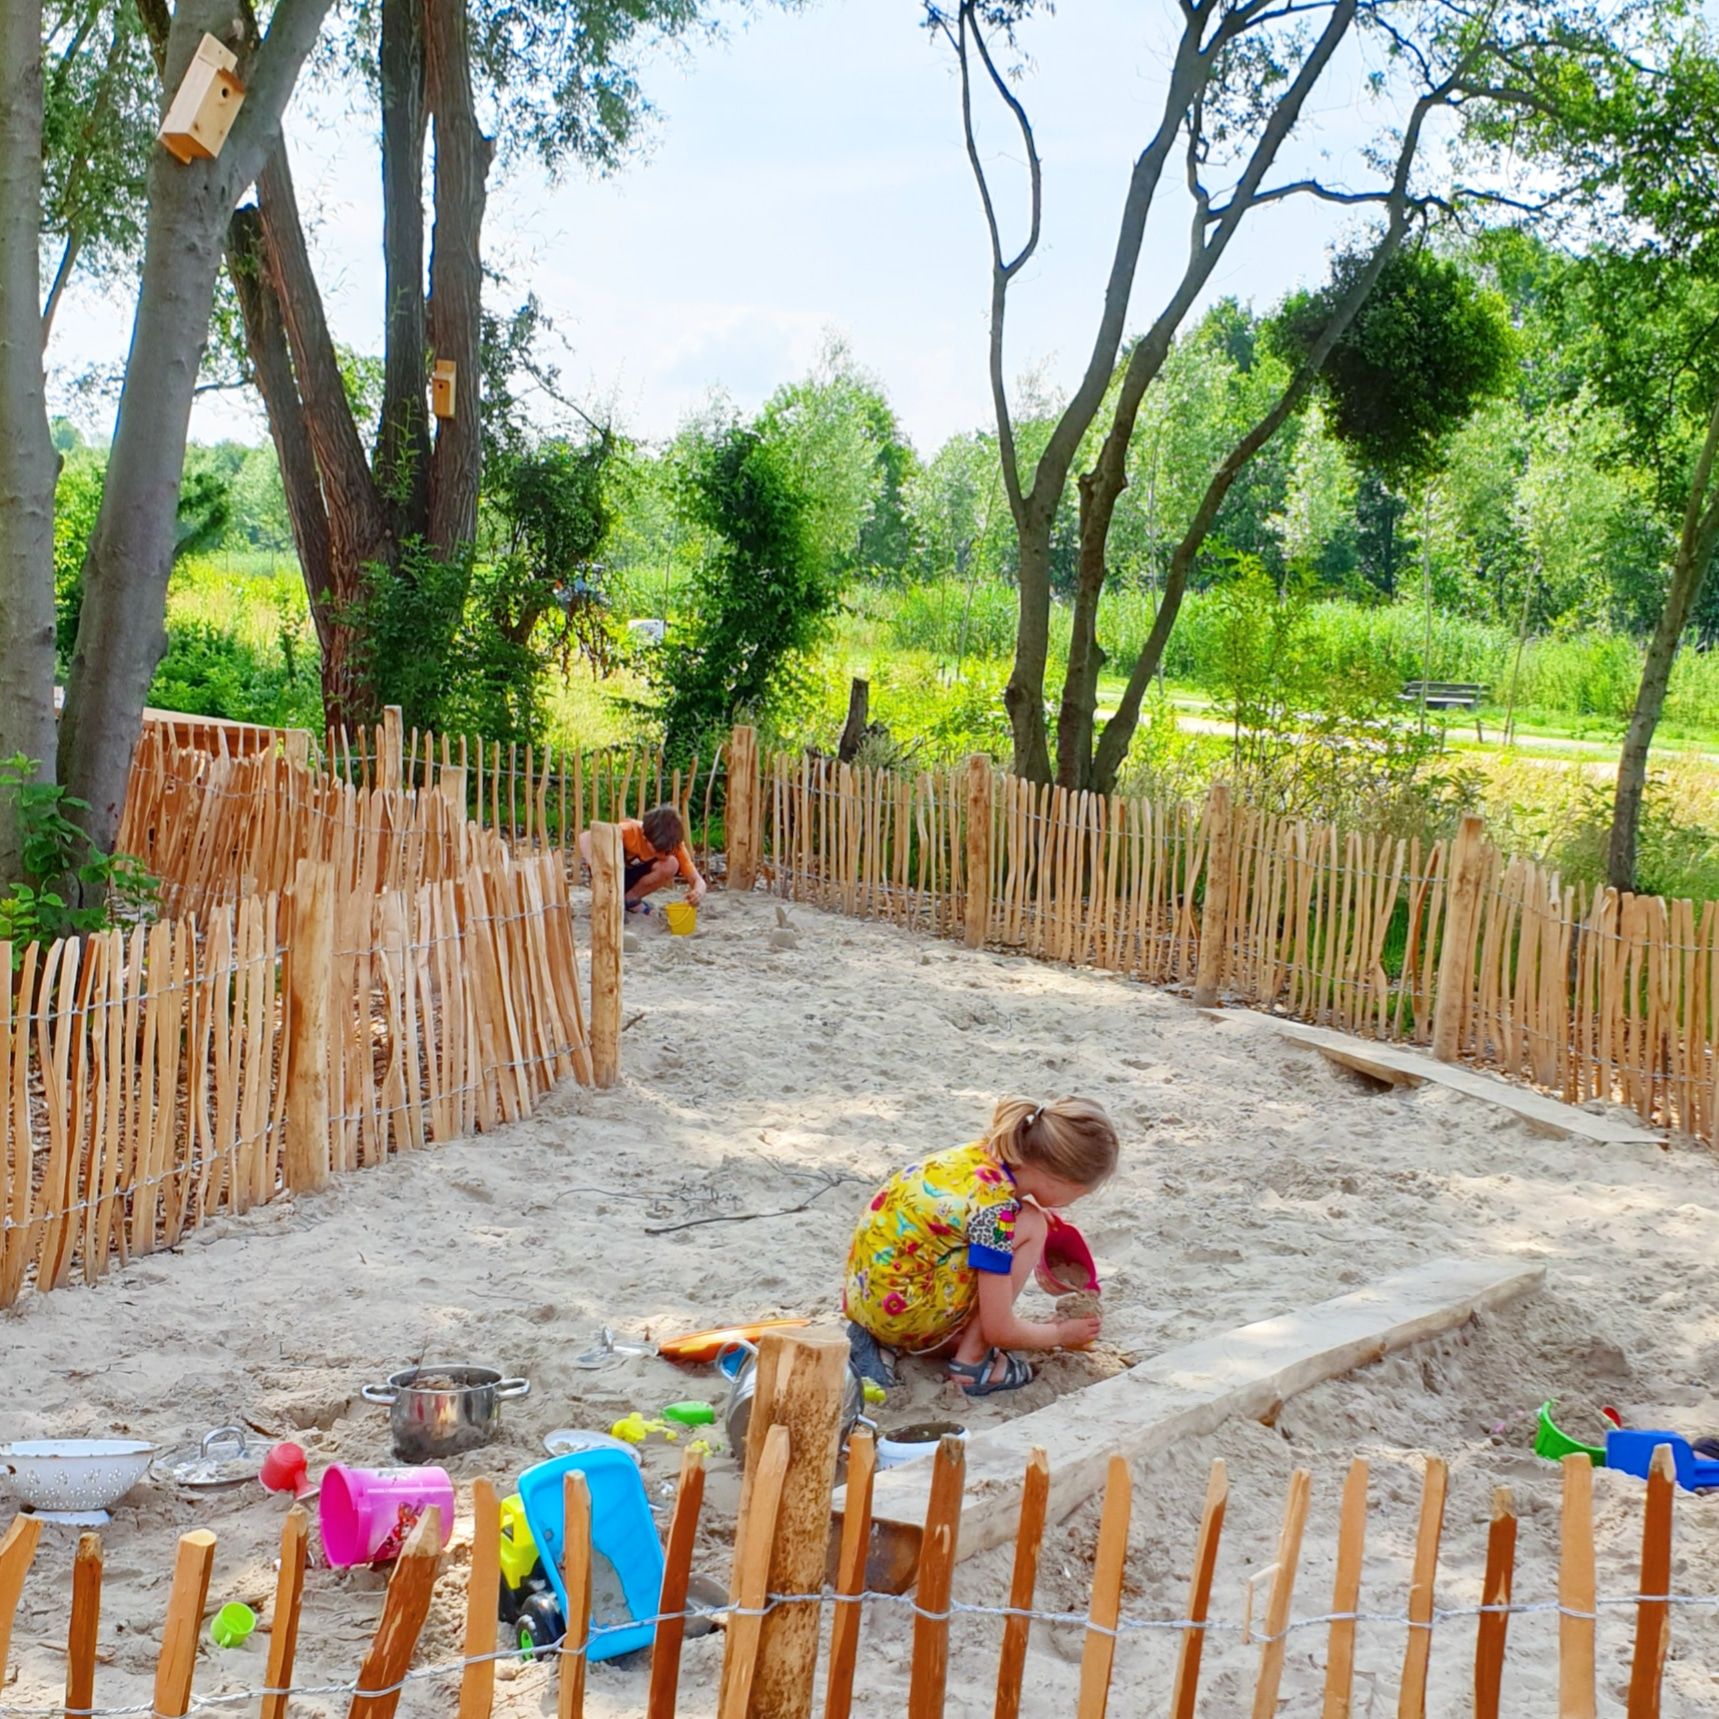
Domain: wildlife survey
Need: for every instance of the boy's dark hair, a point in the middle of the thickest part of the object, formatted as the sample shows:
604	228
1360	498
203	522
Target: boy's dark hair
663	829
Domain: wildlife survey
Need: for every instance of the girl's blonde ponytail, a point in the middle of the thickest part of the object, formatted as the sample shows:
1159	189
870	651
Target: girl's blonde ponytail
1070	1138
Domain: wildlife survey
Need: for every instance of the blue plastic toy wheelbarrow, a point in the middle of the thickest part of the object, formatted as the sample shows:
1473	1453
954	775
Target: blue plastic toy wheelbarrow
622	1533
1631	1449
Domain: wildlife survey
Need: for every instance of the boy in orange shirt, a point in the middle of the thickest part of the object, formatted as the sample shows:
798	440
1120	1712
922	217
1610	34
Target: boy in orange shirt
654	848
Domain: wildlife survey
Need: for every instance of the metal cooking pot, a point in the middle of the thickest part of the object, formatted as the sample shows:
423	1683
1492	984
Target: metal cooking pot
435	1412
737	1412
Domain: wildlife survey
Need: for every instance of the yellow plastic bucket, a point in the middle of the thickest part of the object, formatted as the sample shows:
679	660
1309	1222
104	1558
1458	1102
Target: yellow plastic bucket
681	917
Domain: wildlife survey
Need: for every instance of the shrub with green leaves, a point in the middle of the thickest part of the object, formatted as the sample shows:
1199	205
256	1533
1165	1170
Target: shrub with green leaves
68	889
760	601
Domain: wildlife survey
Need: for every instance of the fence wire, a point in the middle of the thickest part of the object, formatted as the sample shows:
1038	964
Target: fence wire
695	1613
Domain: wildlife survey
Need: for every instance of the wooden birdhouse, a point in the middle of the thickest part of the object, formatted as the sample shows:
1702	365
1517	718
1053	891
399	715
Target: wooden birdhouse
205	104
442	388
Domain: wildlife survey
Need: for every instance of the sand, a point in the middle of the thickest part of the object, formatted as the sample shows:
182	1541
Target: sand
1254	1178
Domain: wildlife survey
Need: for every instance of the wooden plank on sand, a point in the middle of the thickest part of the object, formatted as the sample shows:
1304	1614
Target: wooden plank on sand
1545	1115
1184	1393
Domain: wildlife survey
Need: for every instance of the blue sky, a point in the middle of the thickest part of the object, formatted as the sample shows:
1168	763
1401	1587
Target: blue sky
806	176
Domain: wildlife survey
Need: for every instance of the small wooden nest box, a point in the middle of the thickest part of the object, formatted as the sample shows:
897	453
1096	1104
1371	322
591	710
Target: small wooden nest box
442	388
205	104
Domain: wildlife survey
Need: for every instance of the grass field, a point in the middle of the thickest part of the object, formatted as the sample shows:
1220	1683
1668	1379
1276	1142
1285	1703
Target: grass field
242	645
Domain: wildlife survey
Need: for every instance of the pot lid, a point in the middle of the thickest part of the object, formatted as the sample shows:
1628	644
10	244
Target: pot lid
222	1458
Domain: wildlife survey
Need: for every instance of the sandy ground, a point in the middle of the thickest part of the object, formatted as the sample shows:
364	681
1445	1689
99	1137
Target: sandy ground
1255	1178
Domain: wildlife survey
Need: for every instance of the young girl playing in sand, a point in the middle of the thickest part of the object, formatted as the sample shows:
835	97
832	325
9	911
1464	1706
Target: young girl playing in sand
947	1245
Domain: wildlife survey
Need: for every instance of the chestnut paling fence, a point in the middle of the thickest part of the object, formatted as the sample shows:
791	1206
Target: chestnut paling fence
391	923
785	1623
341	973
1451	944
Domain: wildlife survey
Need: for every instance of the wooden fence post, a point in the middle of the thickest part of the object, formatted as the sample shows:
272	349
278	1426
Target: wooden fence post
17	1552
85	1624
978	849
298	748
741	817
1456	957
391	766
801	1381
191	1568
1214	915
310	970
608	910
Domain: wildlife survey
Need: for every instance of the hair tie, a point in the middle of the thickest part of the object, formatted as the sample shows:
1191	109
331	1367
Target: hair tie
1038	1111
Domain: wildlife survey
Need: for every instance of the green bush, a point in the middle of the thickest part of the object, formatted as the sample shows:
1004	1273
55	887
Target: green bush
209	670
68	889
761	600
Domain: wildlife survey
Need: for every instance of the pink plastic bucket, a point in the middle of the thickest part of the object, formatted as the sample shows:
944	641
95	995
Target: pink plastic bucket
1067	1261
366	1514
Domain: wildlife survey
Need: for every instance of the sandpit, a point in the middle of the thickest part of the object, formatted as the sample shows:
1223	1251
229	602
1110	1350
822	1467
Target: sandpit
1255	1178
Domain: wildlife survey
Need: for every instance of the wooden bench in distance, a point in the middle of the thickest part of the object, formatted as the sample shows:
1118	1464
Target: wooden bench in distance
1447	695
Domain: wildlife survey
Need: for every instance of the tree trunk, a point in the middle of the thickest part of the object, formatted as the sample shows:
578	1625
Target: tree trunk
122	632
1112	751
456	275
27	463
271	365
859	710
1688	571
1075	719
1024	696
403	438
358	532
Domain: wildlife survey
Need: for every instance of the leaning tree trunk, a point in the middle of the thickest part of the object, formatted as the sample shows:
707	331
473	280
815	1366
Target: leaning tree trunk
27	462
122	631
1688	571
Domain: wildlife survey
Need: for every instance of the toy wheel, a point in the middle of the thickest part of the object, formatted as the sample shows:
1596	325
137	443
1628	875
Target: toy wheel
540	1626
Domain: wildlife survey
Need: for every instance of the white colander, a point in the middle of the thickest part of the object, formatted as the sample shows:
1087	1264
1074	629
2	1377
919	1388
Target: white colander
74	1473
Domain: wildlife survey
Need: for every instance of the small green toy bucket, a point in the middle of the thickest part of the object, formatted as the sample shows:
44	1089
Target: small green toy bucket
1555	1445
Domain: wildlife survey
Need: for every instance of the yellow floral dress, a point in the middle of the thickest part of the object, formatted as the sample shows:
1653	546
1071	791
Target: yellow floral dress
912	1275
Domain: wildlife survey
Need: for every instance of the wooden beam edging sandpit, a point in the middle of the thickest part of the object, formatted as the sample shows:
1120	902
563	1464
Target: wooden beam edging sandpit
1403	1067
1181	1394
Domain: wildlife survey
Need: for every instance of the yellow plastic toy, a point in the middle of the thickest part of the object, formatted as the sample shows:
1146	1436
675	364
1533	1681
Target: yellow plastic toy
681	917
635	1429
518	1549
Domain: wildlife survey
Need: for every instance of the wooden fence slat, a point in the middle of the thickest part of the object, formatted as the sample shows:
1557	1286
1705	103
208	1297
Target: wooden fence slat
1576	1622
1011	1663
850	1577
1282	1595
1346	1594
284	1621
1495	1591
1653	1618
576	1578
754	1536
1099	1657
81	1634
404	1609
928	1680
1185	1691
17	1551
178	1659
677	1568
1411	1703
483	1593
